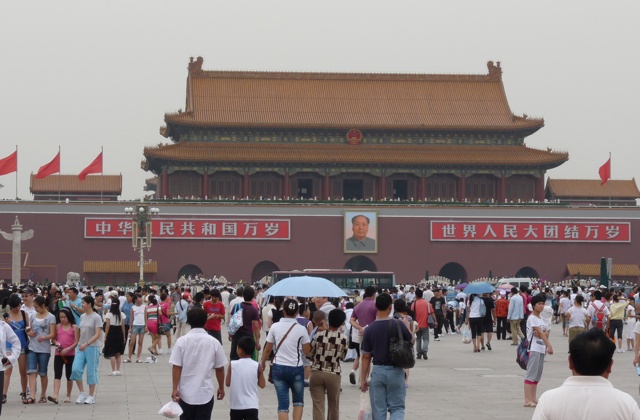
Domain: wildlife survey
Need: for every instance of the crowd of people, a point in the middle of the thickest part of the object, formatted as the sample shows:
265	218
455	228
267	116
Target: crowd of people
292	342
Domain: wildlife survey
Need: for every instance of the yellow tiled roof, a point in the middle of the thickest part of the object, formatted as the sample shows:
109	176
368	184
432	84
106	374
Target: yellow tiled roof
593	270
119	267
591	188
361	154
71	184
349	100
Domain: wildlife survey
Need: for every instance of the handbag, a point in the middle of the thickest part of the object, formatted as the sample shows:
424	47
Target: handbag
236	320
400	350
160	324
522	353
25	319
270	376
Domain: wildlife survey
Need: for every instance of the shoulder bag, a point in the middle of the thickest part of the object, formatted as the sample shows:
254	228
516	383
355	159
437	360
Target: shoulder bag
522	352
160	324
400	350
27	323
236	319
270	377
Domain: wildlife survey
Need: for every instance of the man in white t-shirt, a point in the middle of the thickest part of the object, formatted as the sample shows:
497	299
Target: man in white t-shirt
577	319
195	357
595	308
588	394
224	298
565	304
410	296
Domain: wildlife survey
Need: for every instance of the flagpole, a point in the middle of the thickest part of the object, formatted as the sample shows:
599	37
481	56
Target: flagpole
101	173
59	174
610	177
16	172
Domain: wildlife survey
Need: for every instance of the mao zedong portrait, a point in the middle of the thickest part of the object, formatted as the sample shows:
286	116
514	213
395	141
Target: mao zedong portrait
359	241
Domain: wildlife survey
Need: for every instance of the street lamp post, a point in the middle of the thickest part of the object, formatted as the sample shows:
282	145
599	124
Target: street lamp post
141	231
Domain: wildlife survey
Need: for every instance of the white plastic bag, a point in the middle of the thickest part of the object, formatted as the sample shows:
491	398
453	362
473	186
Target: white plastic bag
171	410
466	333
365	407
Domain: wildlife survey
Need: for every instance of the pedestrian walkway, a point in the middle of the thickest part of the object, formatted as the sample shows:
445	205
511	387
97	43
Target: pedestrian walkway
454	383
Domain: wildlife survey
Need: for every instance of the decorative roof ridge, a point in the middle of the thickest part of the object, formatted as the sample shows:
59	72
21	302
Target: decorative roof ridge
591	180
195	70
548	149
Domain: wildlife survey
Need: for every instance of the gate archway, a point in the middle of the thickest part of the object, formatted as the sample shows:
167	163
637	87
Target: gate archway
527	272
360	263
189	270
454	272
263	268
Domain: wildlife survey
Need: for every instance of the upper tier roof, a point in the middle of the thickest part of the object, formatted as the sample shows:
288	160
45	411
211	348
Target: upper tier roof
348	100
592	188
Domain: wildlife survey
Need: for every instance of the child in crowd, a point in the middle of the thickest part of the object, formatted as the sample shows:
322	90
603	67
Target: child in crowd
631	323
244	376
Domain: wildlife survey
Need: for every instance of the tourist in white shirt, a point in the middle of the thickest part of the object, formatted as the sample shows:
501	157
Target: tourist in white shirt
588	394
631	323
540	345
290	342
595	306
195	357
576	318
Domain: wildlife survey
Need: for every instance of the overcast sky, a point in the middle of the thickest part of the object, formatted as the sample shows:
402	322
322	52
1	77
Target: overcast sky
84	75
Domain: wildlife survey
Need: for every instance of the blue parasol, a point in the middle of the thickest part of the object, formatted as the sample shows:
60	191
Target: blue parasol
305	286
478	288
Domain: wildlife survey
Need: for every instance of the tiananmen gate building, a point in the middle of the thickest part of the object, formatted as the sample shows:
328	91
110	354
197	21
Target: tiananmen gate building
267	171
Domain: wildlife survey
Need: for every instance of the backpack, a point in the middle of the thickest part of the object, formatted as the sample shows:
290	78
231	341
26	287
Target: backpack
598	318
483	307
236	320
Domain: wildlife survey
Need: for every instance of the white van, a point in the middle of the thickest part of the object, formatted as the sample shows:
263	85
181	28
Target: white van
515	281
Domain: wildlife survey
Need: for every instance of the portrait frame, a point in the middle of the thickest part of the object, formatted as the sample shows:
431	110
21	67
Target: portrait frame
351	245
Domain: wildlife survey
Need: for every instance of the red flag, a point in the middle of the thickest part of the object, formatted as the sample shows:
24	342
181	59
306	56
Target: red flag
94	167
605	172
9	164
50	168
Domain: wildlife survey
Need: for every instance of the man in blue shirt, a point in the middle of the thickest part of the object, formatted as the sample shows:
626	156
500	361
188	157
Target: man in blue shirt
75	304
387	389
515	315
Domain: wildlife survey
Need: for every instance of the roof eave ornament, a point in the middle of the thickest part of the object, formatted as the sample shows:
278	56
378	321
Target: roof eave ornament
195	66
495	71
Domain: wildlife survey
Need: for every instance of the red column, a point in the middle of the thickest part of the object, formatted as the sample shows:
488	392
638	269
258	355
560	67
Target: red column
540	189
286	185
423	187
463	187
245	185
327	187
165	182
383	187
503	188
205	183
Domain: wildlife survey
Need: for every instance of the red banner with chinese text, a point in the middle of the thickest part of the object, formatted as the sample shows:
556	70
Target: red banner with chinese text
530	231
262	229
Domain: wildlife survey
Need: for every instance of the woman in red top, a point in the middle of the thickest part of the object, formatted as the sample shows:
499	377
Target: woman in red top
165	314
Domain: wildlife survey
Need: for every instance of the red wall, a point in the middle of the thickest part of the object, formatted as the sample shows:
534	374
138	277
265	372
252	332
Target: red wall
317	237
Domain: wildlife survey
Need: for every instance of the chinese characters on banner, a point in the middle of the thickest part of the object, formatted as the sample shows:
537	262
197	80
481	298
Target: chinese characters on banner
530	231
264	229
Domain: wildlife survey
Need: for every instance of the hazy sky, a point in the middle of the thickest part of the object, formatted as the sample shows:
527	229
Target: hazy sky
83	75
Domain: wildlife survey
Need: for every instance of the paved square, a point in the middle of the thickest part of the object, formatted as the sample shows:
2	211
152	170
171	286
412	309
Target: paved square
454	383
